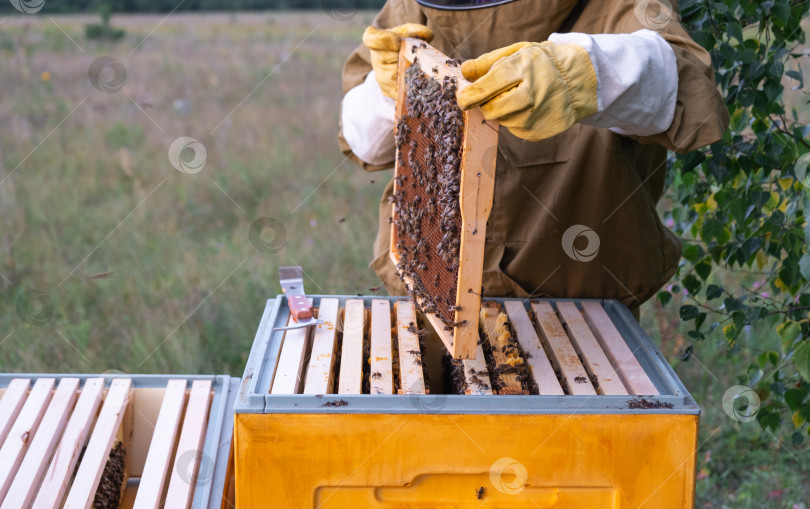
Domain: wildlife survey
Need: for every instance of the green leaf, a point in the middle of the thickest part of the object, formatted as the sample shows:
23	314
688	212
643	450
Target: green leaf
801	358
751	246
768	419
693	252
732	304
735	30
804	265
664	298
713	292
796	438
688	312
788	331
794	398
781	13
691	284
704	269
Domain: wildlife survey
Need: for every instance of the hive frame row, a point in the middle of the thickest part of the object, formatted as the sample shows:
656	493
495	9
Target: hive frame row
255	396
58	413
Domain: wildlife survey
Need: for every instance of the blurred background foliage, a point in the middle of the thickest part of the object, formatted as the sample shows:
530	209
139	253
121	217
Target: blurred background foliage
740	207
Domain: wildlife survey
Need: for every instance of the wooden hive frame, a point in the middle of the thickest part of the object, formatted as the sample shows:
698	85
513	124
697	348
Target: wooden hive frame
477	175
56	441
559	349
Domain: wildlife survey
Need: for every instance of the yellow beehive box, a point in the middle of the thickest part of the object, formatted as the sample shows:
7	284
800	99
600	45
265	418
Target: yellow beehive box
602	420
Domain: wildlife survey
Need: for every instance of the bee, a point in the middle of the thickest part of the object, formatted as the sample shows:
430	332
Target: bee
374	288
376	374
436	69
581	380
480	492
418	362
414	353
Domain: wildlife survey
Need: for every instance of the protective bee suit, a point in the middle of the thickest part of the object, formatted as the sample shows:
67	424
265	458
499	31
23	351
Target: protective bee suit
588	105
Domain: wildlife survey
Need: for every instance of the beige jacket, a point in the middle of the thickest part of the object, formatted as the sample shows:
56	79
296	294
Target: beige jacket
586	178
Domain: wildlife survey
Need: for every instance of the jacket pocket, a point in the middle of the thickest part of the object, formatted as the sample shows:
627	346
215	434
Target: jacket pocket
520	153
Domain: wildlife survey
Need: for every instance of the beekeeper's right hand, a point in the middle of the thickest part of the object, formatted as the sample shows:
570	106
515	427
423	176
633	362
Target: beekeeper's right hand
384	46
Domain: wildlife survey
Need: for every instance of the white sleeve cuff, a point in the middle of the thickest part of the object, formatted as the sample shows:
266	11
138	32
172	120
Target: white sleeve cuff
637	80
368	122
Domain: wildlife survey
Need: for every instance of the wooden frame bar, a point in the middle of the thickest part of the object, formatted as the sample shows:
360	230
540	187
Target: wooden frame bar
319	379
183	477
99	446
479	151
291	359
29	474
536	359
626	364
23	432
476	374
490	313
561	351
351	359
381	354
11	404
594	359
412	379
161	447
57	477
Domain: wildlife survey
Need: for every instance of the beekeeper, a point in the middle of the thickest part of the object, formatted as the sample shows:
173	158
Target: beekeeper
590	95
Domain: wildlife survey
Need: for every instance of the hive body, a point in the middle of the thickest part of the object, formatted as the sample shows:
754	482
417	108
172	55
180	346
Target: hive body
566	405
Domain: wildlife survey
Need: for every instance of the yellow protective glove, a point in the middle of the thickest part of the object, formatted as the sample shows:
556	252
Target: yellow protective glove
384	46
537	90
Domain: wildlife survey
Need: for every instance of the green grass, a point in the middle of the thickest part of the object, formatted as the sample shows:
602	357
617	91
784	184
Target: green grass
98	195
152	271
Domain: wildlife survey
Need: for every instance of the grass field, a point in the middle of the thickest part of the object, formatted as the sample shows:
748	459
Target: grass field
111	259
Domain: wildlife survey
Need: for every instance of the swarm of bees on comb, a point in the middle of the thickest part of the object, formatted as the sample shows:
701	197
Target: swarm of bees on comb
108	495
428	219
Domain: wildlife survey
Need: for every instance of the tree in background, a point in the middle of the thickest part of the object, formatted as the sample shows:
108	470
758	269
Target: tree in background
740	207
